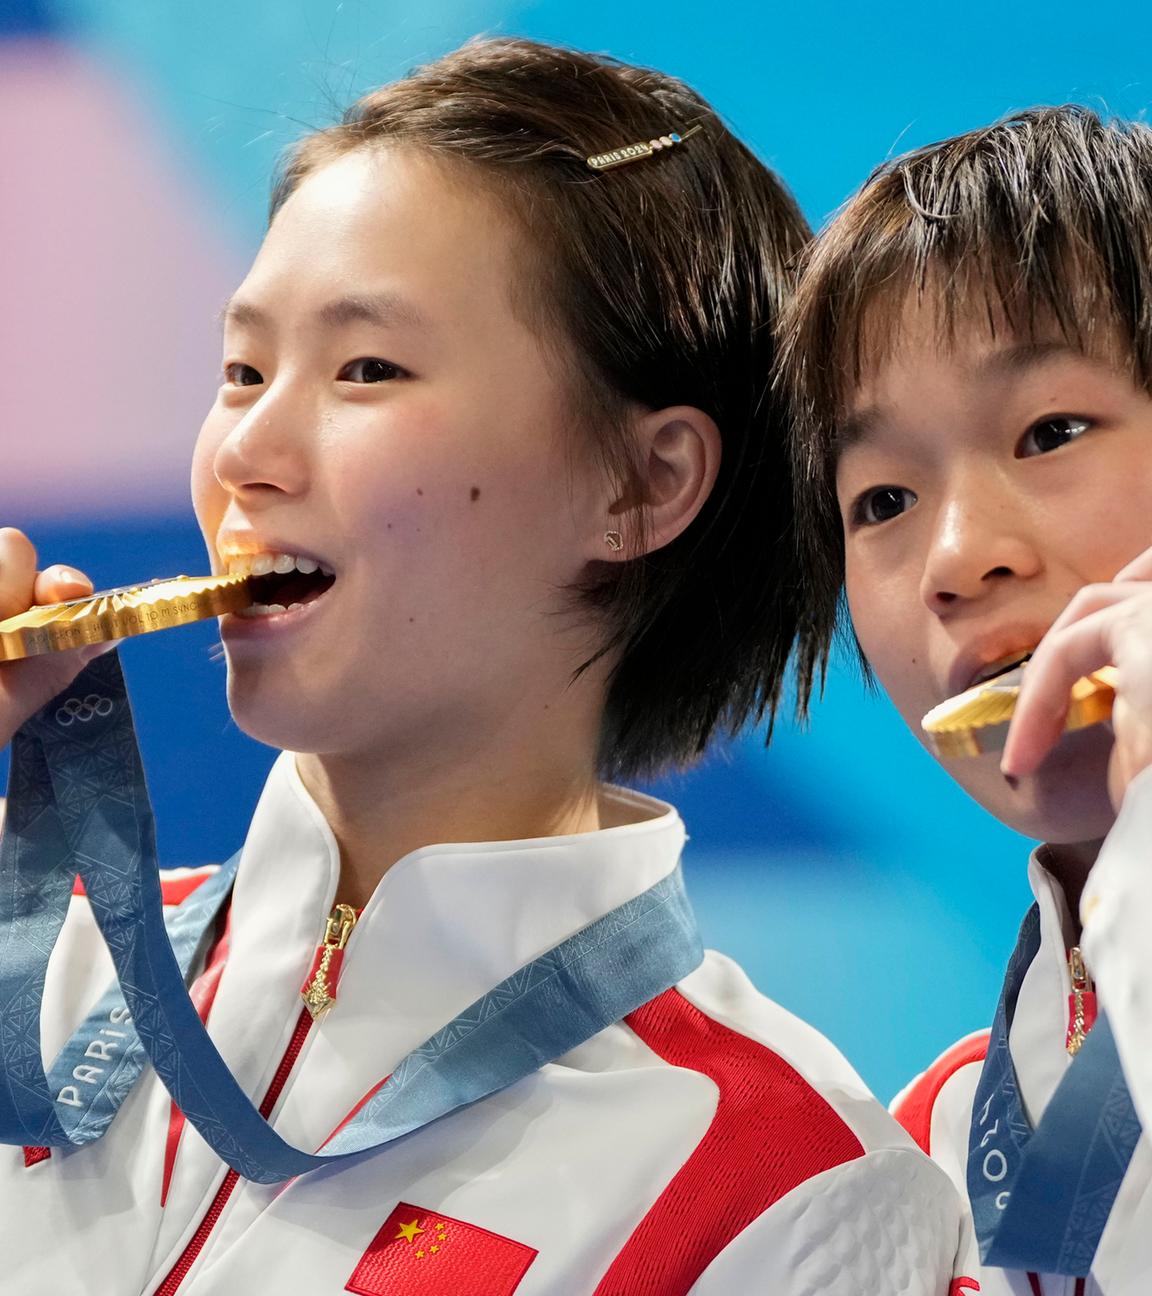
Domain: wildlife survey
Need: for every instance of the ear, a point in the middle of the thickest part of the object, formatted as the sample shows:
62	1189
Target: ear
677	457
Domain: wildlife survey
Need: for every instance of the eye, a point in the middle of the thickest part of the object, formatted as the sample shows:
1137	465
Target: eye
239	374
1050	434
881	505
370	369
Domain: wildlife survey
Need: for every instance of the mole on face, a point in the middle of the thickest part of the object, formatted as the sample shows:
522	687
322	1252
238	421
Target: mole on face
419	491
475	494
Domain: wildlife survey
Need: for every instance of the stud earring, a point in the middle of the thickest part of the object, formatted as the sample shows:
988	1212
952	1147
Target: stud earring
614	540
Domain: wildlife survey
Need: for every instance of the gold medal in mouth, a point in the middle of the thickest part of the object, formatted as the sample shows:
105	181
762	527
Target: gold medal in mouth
121	613
977	720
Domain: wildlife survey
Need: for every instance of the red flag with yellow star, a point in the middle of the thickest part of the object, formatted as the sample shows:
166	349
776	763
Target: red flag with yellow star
422	1253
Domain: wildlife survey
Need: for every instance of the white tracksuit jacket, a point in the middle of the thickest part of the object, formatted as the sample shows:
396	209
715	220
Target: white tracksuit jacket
711	1144
1117	945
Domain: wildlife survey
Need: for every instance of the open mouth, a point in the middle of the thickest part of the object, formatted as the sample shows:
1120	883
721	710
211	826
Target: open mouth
282	581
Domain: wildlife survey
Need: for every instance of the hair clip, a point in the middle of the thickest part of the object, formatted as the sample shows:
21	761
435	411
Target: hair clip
634	152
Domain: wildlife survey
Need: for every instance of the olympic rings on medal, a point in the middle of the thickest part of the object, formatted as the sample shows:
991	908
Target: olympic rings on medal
74	710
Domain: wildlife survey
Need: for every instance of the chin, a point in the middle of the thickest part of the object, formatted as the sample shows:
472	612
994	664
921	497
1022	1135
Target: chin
1065	801
281	714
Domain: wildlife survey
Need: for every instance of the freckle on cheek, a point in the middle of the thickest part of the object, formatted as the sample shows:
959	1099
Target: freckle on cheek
475	494
419	491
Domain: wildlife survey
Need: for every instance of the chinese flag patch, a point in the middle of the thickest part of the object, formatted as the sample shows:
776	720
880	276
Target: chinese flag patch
421	1253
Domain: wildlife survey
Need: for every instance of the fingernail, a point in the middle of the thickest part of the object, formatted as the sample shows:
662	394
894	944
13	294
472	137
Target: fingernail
70	576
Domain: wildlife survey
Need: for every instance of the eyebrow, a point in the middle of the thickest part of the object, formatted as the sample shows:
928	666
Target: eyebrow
386	310
853	429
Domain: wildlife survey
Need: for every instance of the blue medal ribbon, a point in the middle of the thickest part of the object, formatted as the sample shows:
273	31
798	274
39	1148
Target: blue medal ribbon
96	1070
1041	1198
78	803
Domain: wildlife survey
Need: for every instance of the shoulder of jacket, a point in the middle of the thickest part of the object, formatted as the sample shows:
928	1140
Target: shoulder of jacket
914	1105
778	1078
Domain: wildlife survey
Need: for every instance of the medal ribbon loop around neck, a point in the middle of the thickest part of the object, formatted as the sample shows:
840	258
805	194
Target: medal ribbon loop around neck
1041	1198
78	804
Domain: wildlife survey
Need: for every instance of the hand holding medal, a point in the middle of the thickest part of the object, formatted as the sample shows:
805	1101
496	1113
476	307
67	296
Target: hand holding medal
980	719
1093	666
25	686
54	624
1104	625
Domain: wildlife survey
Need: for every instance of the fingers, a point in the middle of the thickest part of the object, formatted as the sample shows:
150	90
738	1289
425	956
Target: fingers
1081	640
1064	656
21	586
1140	568
17	572
59	583
1092	598
27	685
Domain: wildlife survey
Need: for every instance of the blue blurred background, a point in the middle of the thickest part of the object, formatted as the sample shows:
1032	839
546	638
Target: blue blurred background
855	884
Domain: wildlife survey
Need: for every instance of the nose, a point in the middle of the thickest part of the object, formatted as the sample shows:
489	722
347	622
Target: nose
981	540
265	455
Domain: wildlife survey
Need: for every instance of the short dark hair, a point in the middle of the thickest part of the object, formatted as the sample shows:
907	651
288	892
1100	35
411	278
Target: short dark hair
1041	222
664	279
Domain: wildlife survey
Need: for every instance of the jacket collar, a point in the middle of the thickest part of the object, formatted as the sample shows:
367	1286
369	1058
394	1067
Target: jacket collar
445	924
1036	1039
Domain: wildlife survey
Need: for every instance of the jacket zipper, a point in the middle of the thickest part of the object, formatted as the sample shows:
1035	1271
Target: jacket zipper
319	992
1081	1002
1081	1019
321	985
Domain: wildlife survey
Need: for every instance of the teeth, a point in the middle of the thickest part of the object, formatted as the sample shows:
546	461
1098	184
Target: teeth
263	609
281	564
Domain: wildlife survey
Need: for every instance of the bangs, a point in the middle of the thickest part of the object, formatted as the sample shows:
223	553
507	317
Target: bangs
1037	227
1058	288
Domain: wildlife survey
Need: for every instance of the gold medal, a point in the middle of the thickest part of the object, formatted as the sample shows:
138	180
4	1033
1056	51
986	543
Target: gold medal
977	721
121	613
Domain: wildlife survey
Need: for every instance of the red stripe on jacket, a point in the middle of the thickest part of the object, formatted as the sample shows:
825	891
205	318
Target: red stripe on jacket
772	1130
203	995
914	1107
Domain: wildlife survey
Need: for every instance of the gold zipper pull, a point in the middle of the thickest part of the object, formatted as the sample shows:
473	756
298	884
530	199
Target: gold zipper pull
319	992
1081	1002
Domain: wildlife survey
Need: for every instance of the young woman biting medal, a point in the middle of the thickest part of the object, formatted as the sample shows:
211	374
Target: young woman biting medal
494	456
